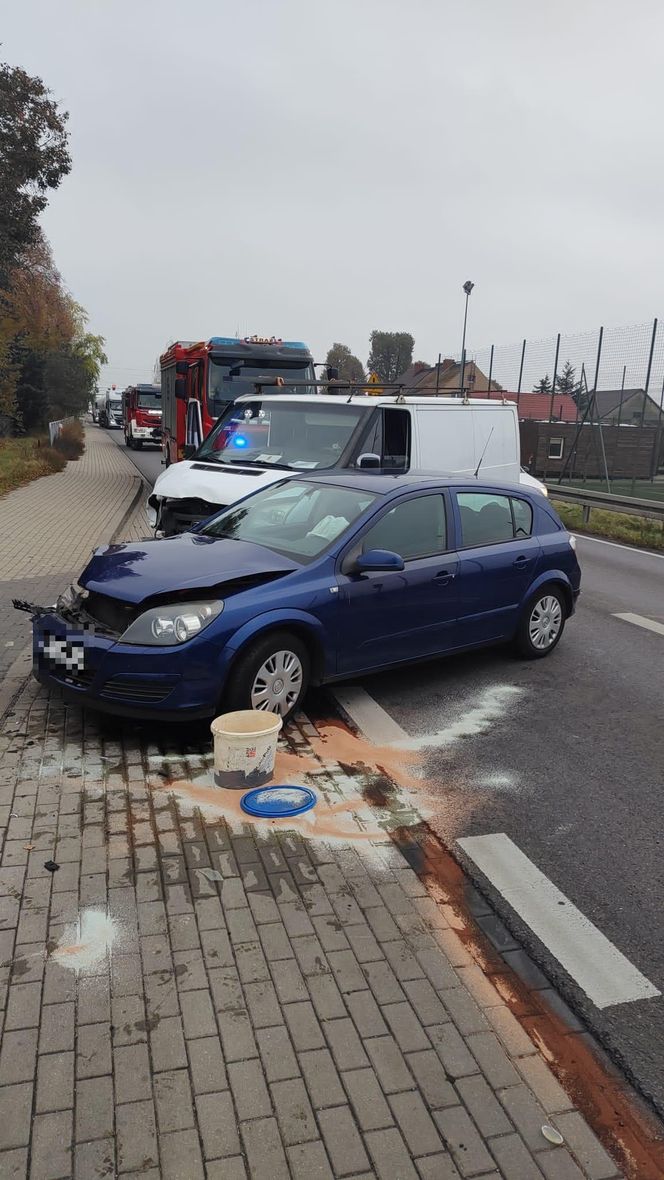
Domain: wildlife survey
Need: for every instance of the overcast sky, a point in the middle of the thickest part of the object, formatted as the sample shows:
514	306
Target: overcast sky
314	169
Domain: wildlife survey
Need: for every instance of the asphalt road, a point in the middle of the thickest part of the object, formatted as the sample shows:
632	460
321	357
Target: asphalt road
572	770
570	767
148	459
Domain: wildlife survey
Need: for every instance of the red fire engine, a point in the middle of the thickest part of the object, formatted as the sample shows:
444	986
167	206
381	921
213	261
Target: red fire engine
141	415
199	380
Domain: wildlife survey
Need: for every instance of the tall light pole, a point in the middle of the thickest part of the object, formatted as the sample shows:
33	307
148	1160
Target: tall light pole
467	287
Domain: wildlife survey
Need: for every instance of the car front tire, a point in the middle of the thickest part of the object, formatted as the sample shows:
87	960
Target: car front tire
542	623
271	675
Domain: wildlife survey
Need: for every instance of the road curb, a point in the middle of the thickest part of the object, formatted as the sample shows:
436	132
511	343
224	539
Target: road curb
129	510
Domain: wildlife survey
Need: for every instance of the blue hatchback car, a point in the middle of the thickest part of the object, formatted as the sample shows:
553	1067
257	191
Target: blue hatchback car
309	581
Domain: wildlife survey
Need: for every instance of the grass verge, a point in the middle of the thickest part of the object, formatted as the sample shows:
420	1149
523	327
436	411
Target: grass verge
615	526
25	459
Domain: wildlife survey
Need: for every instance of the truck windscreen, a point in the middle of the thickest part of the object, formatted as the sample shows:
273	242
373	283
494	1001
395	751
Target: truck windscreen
230	379
149	401
300	437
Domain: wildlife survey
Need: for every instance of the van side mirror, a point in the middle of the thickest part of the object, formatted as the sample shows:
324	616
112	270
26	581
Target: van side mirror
332	373
368	459
181	389
376	561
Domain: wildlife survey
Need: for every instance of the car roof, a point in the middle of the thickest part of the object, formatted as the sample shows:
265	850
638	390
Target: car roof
386	482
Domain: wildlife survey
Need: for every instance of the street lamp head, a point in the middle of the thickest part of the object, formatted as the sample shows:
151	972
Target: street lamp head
468	286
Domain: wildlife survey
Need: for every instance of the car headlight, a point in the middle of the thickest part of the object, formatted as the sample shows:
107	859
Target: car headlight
167	626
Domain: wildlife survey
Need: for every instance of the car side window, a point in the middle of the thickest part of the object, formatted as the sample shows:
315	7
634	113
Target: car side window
414	528
523	518
485	518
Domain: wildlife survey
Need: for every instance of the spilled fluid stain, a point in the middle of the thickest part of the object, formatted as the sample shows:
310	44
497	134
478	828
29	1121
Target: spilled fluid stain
86	944
336	743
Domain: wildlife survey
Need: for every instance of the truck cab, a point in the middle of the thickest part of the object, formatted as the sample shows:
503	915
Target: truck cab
110	411
199	381
141	414
260	438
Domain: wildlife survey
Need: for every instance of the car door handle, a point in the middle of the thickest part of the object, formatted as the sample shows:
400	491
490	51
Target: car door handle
521	563
443	577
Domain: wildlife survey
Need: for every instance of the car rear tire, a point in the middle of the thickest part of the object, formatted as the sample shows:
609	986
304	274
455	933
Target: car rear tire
272	674
542	623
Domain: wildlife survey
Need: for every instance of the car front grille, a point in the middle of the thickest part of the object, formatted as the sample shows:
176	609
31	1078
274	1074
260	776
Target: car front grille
149	692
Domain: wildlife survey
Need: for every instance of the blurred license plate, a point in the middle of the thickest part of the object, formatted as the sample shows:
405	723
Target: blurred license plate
65	652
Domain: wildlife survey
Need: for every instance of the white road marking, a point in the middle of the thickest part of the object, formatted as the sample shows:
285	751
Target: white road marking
641	621
617	545
599	968
369	717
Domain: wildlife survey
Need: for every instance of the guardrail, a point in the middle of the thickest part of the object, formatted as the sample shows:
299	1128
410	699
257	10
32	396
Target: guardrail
627	505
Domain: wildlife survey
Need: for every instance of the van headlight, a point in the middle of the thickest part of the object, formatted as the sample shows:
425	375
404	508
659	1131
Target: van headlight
167	626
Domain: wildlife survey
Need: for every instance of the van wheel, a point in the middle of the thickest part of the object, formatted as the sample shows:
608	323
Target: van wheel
542	623
272	675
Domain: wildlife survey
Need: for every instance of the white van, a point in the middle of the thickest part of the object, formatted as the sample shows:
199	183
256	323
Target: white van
259	438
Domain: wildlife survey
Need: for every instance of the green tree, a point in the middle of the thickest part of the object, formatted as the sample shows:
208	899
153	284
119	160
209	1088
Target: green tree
341	358
543	385
391	353
566	381
33	159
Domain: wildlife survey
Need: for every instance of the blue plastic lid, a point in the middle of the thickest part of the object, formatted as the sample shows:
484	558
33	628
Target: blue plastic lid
277	802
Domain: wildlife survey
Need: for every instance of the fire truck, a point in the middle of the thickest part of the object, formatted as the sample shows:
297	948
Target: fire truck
141	415
198	382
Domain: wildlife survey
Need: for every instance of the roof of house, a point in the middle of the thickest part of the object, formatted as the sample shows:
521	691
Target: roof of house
608	401
537	406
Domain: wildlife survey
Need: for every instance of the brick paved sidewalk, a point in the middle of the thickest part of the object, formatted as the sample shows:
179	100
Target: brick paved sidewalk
49	527
189	998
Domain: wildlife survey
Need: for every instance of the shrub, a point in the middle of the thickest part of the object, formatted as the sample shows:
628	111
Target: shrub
70	441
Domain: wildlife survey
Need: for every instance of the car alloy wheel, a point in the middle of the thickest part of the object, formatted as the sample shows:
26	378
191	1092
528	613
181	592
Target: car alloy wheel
278	683
545	622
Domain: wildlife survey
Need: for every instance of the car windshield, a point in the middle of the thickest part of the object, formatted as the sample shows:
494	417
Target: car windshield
149	401
294	518
283	434
231	379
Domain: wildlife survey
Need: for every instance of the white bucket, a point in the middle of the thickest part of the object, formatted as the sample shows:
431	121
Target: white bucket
245	747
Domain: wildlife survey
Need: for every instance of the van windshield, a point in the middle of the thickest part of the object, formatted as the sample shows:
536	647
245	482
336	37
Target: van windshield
149	401
296	436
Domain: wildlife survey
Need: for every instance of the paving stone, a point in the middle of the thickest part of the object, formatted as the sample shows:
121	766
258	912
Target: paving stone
558	1165
95	1161
540	1080
94	1000
383	983
252	1099
464	1011
460	1136
311	955
275	941
263	1150
279	1061
172	1093
15	1115
326	997
366	1014
345	1044
585	1146
442	1167
305	1031
288	981
217	950
51	1156
136	1137
405	1027
432	1079
322	1078
415	1123
389	1063
342	1140
293	1110
514	1159
262	1003
526	1114
208	1071
514	1038
482	1105
493	1060
94	1108
167	1044
128	1020
451	1048
93	1051
367	1100
237	1036
18	1056
347	971
308	1161
14	1164
426	1003
23	1006
390	1155
197	1015
55	1082
131	1067
181	1156
228	1169
217	1125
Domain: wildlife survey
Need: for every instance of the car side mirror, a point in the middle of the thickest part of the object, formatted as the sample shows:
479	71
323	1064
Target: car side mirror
379	561
181	388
